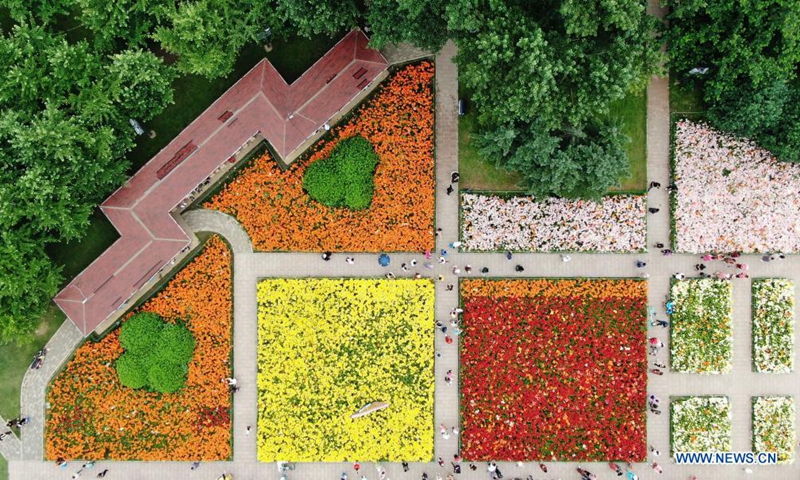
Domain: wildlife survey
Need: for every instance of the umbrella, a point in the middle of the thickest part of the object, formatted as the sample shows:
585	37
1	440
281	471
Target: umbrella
384	260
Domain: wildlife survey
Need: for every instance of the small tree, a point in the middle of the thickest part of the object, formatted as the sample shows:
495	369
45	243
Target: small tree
345	178
139	333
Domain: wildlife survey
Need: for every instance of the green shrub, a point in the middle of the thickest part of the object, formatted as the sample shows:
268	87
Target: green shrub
139	331
131	372
157	353
166	377
175	345
345	178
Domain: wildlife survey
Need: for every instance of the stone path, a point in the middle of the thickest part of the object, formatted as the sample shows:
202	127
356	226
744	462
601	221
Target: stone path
250	266
218	222
34	386
10	447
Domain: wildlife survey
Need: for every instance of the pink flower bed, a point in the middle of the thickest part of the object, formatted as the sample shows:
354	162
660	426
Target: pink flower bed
733	195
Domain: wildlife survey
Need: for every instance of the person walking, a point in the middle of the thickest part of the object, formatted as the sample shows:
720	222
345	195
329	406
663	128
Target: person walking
519	268
640	264
565	258
450	189
102	474
653	210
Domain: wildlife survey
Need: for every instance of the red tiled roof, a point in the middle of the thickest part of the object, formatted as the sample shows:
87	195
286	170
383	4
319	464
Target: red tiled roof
260	102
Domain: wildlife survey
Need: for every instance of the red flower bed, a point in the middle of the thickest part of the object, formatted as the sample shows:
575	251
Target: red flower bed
557	373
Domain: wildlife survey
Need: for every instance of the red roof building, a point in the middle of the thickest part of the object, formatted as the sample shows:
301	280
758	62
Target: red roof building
145	209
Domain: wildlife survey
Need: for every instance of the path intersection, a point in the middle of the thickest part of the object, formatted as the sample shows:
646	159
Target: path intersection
25	457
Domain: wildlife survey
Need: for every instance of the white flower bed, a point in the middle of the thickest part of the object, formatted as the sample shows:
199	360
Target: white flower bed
701	337
700	424
773	325
520	223
773	427
732	195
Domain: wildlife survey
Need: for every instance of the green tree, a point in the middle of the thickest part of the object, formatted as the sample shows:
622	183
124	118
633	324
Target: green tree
28	281
141	83
553	61
743	43
312	17
572	163
207	34
131	21
166	377
42	10
420	22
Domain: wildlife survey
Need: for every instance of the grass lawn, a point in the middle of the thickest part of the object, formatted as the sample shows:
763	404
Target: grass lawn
631	111
477	173
480	174
684	99
3	468
17	360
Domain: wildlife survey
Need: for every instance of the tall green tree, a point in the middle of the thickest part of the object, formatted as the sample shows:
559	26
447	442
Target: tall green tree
64	131
130	21
420	22
27	282
207	34
313	17
743	43
572	163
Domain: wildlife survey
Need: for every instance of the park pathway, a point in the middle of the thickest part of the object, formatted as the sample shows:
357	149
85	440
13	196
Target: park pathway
250	266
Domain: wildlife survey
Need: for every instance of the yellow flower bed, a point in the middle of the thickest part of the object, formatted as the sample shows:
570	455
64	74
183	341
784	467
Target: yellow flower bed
326	348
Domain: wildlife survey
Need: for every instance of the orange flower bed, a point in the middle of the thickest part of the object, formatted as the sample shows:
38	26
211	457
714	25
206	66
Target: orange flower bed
93	417
398	121
595	288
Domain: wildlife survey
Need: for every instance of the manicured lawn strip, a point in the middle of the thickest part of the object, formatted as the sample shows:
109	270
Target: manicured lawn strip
631	111
478	173
701	338
16	360
700	424
773	426
553	369
773	325
684	98
328	347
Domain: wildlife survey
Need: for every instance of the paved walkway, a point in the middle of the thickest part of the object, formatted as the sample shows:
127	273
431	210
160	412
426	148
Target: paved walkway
10	447
34	387
249	267
221	223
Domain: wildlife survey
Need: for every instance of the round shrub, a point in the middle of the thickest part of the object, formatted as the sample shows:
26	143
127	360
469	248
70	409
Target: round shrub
345	178
131	372
175	345
166	377
156	353
138	332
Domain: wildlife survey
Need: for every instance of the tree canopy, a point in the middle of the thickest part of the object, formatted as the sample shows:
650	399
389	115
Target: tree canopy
752	52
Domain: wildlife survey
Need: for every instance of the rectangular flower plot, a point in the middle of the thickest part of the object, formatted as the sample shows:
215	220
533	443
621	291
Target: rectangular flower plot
773	427
616	223
554	370
327	348
701	337
773	325
700	424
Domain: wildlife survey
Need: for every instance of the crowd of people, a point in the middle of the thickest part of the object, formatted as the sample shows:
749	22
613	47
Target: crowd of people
615	224
732	195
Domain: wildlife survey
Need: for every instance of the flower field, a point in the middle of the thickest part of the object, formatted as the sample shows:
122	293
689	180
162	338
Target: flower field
700	424
554	370
773	427
520	223
398	121
773	325
93	417
326	348
732	195
701	337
